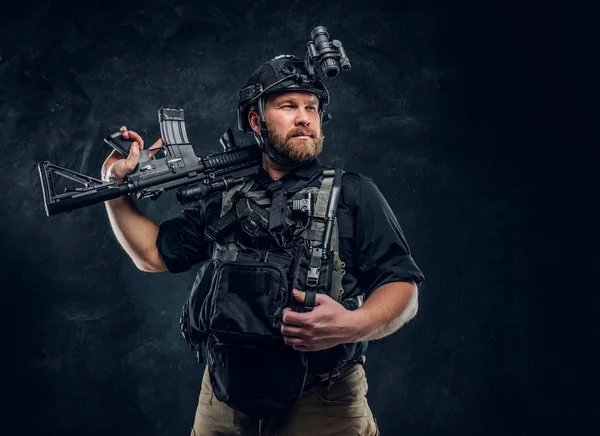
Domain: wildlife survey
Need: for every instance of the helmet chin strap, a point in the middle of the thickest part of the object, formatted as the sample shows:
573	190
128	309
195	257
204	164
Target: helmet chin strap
266	147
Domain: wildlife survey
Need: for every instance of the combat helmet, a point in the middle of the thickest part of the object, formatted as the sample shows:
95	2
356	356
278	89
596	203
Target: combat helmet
284	73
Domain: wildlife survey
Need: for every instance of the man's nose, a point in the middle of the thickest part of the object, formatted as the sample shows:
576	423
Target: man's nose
302	117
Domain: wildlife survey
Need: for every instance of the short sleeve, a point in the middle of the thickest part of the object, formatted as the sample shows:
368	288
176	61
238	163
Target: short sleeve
181	241
382	254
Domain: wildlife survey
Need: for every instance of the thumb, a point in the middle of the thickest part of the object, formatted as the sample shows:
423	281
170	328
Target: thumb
299	295
134	156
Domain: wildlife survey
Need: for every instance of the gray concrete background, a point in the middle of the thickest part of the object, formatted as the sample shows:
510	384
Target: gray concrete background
469	117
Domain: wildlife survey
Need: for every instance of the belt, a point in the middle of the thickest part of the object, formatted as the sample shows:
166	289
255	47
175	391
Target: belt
328	378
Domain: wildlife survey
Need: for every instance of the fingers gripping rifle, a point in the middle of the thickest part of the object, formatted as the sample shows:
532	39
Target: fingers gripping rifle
174	167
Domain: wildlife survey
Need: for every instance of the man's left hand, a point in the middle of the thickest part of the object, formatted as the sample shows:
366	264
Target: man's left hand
327	325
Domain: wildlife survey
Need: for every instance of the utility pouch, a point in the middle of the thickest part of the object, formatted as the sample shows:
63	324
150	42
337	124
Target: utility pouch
251	369
246	302
192	328
259	381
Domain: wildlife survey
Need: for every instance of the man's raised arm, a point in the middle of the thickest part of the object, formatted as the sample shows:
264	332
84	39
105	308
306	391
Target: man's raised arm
136	233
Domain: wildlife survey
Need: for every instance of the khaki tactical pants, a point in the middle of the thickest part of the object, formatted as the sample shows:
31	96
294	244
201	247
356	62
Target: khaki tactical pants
338	409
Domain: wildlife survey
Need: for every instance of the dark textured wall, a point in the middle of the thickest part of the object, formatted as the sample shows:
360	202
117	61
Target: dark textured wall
467	116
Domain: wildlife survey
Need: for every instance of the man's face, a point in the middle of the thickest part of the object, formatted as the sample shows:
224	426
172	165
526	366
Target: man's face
294	125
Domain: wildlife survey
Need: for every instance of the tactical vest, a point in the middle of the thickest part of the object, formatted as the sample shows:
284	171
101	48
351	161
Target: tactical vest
236	303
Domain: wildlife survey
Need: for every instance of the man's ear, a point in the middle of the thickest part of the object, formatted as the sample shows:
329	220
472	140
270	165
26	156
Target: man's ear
254	121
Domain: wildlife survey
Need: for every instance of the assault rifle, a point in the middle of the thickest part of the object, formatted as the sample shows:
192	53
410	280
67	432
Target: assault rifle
173	167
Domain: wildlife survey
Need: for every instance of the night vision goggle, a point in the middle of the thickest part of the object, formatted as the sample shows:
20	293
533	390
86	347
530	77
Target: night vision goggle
322	57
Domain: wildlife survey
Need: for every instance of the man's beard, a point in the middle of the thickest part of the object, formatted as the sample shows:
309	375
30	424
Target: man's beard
298	150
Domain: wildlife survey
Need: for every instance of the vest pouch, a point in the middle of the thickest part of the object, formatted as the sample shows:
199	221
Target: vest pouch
193	329
246	302
260	381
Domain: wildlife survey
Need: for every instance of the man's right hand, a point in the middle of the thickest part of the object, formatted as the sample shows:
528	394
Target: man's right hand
116	166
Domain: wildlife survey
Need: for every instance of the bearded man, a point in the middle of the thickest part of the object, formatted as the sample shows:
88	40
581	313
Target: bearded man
289	305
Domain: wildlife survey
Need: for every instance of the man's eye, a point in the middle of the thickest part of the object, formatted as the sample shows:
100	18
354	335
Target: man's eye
311	108
286	106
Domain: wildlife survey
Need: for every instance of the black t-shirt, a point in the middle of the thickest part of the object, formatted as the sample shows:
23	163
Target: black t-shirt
371	244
